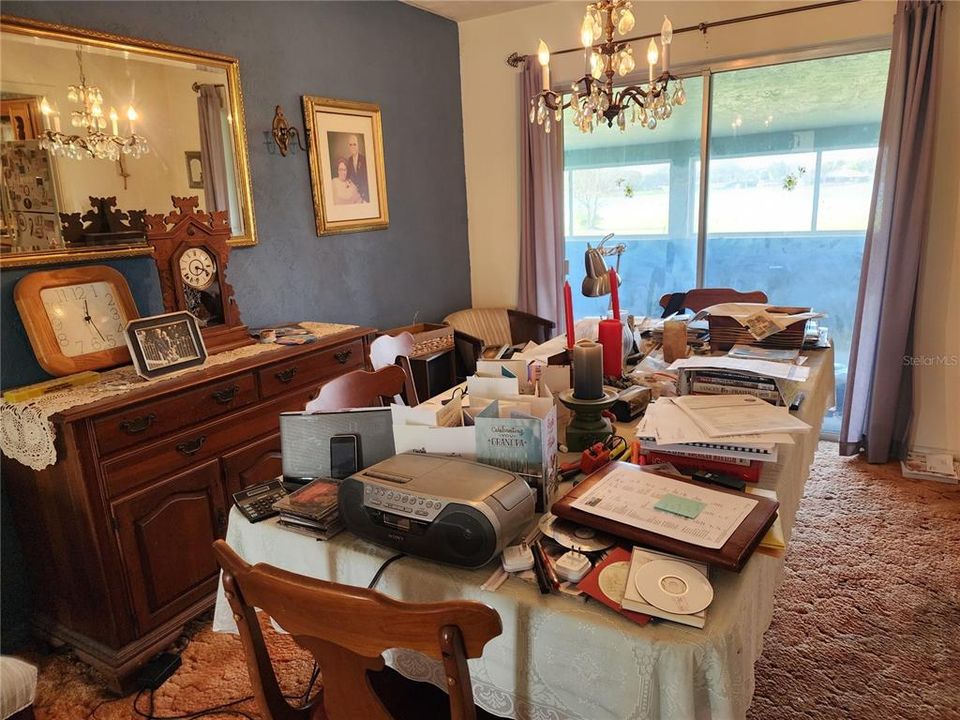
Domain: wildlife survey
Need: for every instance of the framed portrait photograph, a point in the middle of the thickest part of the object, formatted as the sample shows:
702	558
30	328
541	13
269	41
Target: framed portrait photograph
194	168
166	343
346	165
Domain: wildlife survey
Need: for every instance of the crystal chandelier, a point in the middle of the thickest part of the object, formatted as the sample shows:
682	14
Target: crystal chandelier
592	97
90	117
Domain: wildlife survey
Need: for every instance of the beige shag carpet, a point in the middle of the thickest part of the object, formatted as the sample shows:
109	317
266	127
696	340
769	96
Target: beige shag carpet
866	625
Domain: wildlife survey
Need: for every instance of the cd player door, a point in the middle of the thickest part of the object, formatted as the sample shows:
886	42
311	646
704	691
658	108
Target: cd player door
458	535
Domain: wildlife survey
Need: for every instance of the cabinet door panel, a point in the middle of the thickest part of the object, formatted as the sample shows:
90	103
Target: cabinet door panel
166	532
256	463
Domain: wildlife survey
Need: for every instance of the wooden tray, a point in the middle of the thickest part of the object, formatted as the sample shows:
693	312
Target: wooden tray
732	556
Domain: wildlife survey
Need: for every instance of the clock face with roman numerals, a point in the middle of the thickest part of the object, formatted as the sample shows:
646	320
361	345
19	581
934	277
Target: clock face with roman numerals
198	268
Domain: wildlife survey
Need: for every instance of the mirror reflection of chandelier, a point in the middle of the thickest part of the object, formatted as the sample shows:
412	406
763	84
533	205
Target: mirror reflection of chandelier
90	117
592	97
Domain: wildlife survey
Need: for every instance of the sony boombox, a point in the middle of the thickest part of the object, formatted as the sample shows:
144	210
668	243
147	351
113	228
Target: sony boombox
437	507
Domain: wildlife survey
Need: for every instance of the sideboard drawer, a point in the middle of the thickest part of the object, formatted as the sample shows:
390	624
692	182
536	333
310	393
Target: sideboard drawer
310	370
138	423
126	471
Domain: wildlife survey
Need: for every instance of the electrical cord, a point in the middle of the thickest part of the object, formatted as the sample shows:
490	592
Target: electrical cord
387	563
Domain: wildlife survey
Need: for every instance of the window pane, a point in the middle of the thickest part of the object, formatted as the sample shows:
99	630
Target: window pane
778	189
641	185
792	155
846	188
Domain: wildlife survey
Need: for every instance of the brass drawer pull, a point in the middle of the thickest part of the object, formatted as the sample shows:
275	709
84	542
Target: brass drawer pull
227	395
191	446
138	424
286	376
343	356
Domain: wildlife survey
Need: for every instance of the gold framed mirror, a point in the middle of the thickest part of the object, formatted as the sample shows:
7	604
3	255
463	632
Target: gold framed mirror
99	130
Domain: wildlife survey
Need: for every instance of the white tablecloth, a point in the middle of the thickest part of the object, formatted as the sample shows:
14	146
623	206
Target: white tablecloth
562	658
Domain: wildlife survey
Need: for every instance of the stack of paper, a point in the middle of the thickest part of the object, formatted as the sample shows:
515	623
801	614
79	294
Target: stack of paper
727	426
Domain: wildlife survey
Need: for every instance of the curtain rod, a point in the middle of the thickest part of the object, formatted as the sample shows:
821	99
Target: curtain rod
515	59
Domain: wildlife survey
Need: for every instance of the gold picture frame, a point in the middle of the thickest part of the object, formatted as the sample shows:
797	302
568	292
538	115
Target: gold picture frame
345	146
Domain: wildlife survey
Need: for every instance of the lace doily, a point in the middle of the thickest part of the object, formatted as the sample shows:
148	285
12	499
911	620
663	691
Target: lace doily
28	436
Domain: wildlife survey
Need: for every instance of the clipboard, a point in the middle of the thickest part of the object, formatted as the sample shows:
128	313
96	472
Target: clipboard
732	556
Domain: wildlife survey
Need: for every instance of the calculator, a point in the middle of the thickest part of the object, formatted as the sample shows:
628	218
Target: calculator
256	502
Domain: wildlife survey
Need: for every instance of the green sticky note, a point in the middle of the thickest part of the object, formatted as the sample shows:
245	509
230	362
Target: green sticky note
680	506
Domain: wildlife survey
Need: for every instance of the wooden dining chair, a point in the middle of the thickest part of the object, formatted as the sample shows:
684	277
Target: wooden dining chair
347	629
360	388
395	350
700	298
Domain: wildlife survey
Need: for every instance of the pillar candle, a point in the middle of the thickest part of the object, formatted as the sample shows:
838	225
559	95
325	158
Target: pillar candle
611	337
587	370
568	312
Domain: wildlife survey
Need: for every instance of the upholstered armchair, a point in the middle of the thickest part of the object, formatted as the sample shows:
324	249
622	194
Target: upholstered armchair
480	328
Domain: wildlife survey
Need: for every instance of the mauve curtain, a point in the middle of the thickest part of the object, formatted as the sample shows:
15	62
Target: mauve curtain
541	206
210	109
879	393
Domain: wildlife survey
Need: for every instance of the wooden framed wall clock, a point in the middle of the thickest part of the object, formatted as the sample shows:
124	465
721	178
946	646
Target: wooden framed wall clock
75	317
191	252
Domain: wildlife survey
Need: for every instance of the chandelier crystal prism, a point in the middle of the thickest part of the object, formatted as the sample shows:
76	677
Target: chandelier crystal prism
90	117
592	97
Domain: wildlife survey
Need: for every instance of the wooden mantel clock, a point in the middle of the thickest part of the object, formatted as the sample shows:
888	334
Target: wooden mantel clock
191	252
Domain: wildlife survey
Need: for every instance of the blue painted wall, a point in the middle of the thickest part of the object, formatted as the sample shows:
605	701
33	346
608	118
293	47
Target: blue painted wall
404	59
401	58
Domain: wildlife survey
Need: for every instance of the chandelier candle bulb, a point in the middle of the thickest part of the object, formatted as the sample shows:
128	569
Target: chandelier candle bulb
666	37
543	54
113	120
587	370
652	56
131	116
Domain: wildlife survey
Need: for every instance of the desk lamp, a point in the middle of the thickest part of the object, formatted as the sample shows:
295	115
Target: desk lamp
600	281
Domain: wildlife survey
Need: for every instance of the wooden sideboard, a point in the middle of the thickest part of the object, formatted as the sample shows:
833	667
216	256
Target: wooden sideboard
118	532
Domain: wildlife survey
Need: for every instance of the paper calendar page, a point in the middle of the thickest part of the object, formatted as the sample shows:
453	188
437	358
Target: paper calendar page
628	496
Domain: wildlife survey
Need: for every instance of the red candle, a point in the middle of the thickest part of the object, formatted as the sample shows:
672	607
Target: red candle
568	311
615	294
611	337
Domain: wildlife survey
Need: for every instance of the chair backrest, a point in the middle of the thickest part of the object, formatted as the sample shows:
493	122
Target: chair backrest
491	325
387	348
347	629
360	389
700	298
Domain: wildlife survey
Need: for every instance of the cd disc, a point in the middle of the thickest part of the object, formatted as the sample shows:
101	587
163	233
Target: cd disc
575	537
613	580
674	587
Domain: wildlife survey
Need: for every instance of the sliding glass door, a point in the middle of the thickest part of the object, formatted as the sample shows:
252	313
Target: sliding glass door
789	167
639	185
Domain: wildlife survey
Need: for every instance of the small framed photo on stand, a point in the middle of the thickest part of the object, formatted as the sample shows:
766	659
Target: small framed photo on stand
163	344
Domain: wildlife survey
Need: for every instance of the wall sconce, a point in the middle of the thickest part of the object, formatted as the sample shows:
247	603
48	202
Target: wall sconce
284	132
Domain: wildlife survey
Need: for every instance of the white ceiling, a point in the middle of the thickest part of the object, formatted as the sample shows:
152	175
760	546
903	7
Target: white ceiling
460	10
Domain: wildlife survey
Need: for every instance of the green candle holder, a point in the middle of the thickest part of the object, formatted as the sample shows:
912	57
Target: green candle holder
588	426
